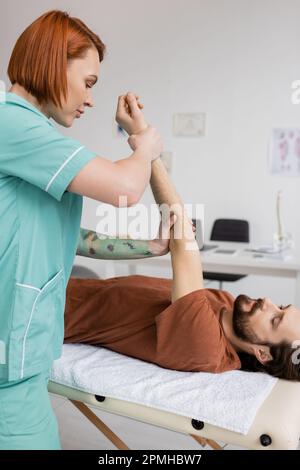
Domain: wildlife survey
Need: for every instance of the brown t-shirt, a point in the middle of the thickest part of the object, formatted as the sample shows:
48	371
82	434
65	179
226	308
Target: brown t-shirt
134	315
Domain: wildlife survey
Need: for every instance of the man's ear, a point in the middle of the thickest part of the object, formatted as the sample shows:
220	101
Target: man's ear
262	353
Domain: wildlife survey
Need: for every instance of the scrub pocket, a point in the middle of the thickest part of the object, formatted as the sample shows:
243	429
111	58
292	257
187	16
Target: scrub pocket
37	330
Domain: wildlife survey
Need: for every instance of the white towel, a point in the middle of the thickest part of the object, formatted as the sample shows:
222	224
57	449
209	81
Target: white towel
229	400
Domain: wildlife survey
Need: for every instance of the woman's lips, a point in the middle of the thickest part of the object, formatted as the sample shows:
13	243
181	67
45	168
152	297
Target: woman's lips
78	114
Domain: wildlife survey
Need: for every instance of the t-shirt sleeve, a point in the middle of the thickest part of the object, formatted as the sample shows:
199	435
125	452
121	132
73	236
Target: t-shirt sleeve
189	335
39	154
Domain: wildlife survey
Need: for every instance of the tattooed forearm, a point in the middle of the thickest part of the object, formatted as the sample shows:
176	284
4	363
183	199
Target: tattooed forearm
92	246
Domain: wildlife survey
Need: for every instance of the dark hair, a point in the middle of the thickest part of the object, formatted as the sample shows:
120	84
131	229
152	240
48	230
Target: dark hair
283	365
243	329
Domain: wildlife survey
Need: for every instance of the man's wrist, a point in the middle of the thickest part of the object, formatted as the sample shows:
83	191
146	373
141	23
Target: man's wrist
139	129
156	248
142	153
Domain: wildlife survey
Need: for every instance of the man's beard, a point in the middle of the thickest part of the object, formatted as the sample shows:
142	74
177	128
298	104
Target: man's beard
241	315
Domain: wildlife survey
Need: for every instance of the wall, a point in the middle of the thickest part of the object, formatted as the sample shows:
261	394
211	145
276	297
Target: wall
232	59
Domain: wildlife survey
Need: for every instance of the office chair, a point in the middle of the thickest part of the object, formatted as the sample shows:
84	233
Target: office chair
228	230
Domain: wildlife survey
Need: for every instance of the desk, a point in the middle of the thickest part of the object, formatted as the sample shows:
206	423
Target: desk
241	262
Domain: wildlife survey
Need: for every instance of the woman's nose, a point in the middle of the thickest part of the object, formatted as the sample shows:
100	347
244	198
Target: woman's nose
89	103
89	100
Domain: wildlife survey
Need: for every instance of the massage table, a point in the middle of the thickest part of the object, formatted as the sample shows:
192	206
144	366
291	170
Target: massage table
115	383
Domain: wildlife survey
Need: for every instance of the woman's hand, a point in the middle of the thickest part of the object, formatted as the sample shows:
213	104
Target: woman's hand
129	115
149	140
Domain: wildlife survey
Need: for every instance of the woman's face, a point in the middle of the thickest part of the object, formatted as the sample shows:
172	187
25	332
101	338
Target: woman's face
82	74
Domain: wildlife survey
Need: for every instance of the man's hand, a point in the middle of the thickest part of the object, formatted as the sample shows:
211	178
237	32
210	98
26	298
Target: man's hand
179	230
161	244
129	115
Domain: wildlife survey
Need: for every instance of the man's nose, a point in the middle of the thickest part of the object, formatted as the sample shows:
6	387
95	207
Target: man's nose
249	304
260	303
265	303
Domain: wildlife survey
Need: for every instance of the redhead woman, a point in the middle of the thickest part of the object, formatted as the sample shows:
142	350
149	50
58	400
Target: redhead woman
44	175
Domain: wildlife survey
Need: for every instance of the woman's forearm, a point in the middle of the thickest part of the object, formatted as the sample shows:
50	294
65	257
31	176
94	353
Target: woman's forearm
92	246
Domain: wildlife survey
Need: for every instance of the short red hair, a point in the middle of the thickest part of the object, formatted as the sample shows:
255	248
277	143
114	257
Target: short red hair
40	57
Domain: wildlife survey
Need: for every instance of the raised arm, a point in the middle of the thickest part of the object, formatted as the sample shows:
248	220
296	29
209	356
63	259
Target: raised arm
185	254
104	180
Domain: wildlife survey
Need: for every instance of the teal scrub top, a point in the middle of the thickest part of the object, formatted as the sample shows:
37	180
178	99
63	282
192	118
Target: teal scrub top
39	233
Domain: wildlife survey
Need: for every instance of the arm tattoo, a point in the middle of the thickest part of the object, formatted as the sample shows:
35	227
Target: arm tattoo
104	247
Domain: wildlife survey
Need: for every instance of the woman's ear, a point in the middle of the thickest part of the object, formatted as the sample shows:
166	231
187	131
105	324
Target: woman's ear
262	353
